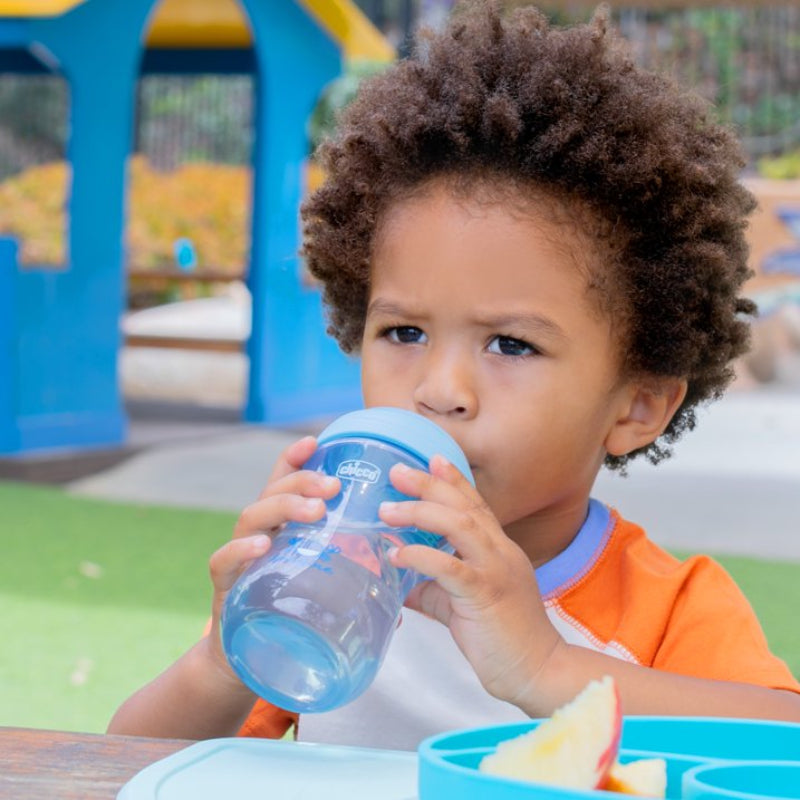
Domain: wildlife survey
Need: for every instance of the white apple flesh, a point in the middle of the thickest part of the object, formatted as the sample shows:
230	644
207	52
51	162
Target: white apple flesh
575	748
646	777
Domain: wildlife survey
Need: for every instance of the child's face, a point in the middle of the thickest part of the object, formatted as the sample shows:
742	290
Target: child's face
479	319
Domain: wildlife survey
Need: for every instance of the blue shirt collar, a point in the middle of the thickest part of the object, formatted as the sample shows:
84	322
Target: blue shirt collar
572	563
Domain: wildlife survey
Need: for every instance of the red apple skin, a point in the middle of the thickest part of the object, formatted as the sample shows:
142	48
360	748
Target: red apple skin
609	756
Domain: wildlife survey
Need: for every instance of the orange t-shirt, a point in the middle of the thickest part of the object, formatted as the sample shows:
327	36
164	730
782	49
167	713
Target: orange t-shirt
649	608
267	721
615	591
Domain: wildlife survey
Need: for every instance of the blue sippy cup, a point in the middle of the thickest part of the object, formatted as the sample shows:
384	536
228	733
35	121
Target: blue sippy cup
307	625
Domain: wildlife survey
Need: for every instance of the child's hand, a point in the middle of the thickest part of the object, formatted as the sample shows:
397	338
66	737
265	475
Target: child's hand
487	594
291	494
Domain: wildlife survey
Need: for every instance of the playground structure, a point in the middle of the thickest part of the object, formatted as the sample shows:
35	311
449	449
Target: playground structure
60	328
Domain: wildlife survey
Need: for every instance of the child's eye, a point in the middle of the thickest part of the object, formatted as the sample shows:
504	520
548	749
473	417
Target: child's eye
404	334
509	346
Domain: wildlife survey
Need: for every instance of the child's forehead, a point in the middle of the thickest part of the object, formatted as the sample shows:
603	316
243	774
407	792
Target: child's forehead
567	222
416	222
519	199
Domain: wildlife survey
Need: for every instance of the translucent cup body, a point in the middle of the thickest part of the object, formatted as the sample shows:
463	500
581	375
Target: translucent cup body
307	626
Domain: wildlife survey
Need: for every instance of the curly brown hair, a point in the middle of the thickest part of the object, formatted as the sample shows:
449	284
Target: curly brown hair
510	100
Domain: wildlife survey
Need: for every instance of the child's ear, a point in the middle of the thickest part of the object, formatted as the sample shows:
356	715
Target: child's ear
648	408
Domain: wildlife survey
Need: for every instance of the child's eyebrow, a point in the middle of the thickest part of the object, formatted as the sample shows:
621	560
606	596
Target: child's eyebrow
529	322
388	308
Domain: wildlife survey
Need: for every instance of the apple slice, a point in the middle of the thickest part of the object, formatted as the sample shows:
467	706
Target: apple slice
575	748
646	777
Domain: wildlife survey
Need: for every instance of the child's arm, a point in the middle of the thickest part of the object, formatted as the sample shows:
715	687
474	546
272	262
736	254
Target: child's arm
199	696
489	599
644	690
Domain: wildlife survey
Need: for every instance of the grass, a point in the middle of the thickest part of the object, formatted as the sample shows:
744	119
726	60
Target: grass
96	598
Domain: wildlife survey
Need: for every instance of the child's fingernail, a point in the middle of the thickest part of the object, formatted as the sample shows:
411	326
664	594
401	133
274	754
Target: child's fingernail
329	482
260	542
442	460
312	503
389	506
403	469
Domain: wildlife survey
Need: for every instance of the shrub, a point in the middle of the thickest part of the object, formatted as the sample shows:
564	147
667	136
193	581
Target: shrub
206	203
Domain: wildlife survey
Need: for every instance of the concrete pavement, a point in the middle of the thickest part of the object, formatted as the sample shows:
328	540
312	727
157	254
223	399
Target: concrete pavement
732	486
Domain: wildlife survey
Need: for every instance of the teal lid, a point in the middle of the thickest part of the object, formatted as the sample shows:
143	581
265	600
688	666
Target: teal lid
408	430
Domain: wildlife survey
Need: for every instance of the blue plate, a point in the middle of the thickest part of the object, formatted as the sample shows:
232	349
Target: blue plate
759	780
449	762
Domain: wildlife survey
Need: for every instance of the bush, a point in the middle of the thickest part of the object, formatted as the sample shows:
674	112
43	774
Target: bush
784	167
206	203
32	209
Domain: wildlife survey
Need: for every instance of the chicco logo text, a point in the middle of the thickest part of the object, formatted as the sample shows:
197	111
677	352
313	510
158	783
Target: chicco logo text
358	471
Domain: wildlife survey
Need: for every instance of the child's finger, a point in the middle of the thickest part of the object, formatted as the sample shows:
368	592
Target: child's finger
468	531
451	573
303	482
265	516
292	458
444	483
227	563
449	505
446	470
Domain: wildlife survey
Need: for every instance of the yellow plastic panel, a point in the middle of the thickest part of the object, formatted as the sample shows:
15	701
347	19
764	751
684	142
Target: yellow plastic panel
199	23
223	23
36	8
349	26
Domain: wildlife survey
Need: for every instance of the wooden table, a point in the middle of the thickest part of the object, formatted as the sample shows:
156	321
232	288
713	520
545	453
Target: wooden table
55	765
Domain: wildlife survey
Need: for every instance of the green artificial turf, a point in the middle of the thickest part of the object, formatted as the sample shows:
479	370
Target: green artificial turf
96	598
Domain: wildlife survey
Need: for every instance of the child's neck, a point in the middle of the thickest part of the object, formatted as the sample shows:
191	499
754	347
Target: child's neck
544	535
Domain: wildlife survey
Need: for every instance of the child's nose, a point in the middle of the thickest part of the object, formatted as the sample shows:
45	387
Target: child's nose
446	385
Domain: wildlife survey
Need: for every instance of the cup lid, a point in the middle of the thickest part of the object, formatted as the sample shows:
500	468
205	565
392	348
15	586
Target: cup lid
406	429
